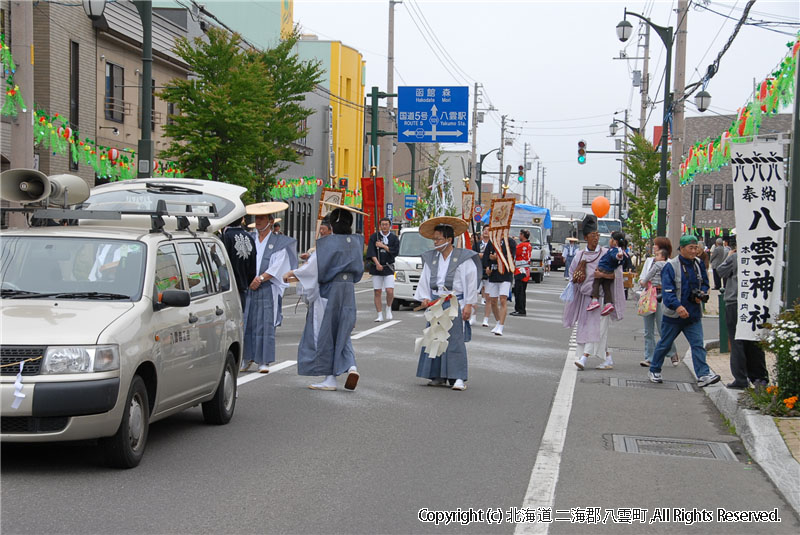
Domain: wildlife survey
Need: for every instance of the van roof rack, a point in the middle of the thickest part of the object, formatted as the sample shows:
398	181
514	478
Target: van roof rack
156	216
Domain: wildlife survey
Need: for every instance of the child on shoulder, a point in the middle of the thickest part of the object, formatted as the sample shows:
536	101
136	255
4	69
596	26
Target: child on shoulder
604	274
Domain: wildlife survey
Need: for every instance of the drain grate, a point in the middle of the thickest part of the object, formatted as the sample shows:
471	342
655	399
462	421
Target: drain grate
678	447
666	385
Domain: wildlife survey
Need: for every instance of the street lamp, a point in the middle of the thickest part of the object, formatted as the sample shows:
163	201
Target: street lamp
702	100
624	31
614	127
479	178
94	8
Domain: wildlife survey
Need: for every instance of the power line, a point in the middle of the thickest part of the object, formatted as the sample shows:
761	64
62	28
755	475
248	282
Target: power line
433	49
425	22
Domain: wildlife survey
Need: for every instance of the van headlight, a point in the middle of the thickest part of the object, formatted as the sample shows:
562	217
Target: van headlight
80	359
400	276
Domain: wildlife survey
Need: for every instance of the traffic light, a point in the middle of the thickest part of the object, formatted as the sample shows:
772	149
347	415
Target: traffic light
581	152
520	174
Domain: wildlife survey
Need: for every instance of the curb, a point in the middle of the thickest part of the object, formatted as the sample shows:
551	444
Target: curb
759	434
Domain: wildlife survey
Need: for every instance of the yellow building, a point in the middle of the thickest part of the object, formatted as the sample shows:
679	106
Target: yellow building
343	84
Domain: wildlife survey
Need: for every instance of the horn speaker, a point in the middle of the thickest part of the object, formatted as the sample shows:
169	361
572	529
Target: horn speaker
28	186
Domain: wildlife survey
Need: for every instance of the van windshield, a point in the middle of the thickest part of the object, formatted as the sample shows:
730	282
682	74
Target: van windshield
71	268
413	244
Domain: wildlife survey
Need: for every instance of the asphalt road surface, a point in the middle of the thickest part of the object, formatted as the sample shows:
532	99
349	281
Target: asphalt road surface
379	459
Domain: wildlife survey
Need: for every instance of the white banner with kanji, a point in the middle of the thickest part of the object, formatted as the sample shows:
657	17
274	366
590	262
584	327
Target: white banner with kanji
759	189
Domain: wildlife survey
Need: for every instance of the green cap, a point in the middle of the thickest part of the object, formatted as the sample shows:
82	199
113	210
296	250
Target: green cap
687	239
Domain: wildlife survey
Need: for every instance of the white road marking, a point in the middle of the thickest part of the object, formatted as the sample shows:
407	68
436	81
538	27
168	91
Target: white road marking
272	369
374	330
544	476
367	290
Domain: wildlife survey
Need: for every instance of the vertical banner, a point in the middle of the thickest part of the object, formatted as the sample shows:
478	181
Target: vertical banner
759	189
370	189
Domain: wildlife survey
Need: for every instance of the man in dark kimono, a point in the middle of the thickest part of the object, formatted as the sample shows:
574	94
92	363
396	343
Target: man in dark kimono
327	281
275	255
241	250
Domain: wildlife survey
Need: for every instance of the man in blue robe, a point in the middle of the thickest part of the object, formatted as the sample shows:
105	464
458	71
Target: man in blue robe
447	270
327	281
275	254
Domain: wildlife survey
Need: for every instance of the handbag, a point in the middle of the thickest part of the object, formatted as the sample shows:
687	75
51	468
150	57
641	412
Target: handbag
568	294
648	301
579	275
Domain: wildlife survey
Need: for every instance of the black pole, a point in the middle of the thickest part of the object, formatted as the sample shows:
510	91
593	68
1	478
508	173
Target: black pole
145	157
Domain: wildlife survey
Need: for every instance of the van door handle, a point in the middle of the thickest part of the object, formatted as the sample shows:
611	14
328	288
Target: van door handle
193	318
219	311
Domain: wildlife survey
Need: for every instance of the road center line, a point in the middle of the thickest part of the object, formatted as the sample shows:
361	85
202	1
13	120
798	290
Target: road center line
374	330
272	369
544	476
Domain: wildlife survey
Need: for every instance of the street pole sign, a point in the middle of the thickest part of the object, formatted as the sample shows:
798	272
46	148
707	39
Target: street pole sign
389	210
410	201
409	214
432	114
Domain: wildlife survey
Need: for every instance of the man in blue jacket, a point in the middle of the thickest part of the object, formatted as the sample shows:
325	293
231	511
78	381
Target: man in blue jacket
681	279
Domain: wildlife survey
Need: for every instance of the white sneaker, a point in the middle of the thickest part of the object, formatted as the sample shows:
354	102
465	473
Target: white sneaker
499	330
459	385
246	366
263	369
581	362
388	314
379	318
494	329
485	322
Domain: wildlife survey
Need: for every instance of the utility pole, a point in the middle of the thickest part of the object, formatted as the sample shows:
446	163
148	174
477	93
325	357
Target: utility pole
473	166
675	205
374	134
645	81
793	221
544	172
535	192
525	174
502	149
22	50
389	99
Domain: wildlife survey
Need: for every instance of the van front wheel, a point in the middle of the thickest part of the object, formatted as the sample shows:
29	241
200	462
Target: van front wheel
126	448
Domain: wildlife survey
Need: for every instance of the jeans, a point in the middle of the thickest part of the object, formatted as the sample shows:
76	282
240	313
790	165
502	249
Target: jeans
694	335
652	324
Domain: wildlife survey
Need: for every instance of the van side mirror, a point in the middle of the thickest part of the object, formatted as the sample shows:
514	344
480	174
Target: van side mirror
174	298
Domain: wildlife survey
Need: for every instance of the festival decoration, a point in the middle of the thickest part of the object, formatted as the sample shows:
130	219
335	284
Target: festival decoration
774	92
13	99
499	226
600	206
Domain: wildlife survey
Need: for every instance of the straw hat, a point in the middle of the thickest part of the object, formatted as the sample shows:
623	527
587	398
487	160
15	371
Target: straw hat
334	206
266	208
458	224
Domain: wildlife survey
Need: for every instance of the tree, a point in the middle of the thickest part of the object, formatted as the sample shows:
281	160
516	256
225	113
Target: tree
644	164
241	113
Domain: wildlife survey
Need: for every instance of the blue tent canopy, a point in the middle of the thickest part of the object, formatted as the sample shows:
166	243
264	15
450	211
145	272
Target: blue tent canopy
533	210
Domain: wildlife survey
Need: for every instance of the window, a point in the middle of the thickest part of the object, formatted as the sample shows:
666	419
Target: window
115	93
219	269
171	110
717	196
729	196
74	96
196	270
708	201
168	273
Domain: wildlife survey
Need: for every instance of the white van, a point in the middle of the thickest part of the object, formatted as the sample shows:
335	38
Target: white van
123	319
408	266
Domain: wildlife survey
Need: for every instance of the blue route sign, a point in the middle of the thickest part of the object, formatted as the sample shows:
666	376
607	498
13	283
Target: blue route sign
410	201
432	114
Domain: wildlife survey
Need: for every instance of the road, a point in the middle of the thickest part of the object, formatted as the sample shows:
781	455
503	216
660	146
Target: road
295	460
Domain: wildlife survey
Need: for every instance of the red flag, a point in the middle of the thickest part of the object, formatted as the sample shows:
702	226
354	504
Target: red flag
370	189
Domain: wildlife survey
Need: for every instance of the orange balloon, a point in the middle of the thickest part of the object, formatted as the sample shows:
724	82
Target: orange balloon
600	206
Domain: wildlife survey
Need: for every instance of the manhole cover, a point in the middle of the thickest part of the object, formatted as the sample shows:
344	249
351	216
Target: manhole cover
666	385
679	447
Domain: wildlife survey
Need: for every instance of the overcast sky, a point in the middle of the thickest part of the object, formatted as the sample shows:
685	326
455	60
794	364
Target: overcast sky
548	65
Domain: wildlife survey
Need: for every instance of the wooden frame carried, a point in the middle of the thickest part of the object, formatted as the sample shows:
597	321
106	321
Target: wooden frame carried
499	227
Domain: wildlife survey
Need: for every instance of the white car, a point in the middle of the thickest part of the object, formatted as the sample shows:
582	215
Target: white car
408	266
112	324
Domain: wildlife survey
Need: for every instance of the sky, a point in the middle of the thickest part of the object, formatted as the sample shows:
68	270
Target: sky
549	66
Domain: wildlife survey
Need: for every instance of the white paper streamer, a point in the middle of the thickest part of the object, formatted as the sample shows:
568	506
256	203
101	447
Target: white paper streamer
18	395
435	338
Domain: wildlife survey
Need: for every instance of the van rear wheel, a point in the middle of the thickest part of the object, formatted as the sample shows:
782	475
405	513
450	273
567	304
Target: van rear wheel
396	304
219	409
126	448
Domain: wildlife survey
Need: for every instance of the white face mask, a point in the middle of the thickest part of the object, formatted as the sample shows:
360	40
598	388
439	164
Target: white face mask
269	225
441	247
